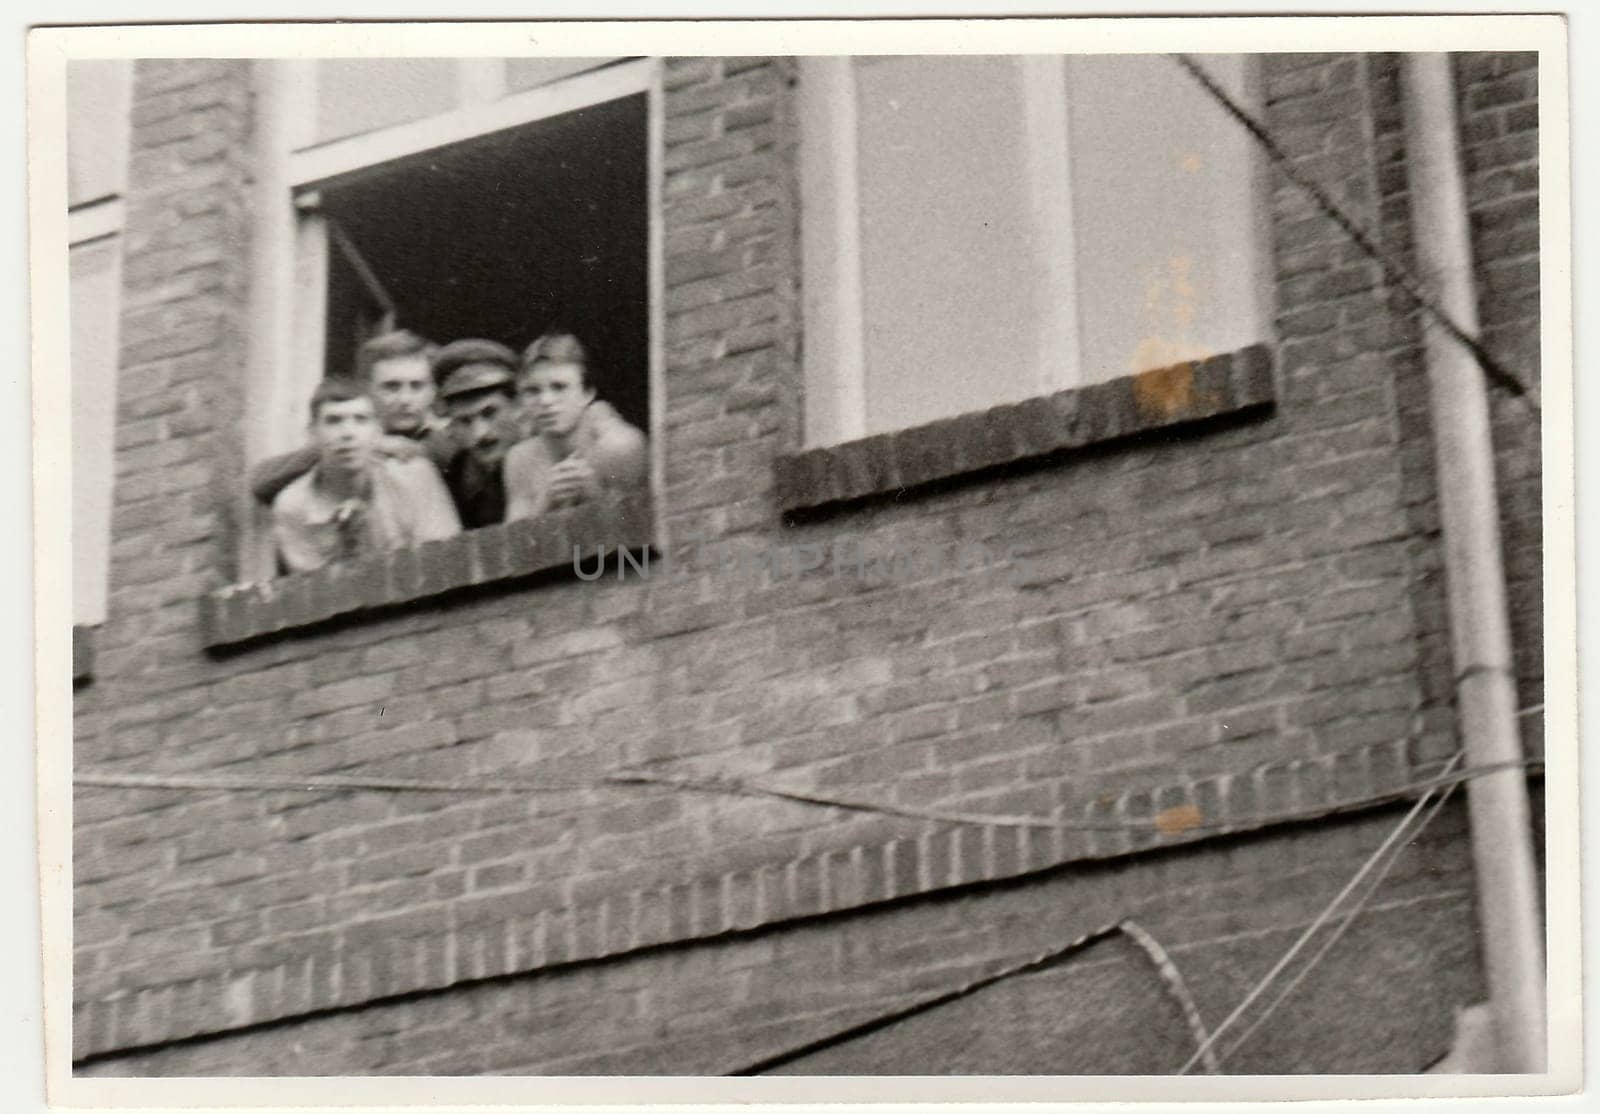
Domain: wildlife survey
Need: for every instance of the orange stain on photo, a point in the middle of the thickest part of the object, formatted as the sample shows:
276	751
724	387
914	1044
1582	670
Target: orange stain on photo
1178	819
1163	392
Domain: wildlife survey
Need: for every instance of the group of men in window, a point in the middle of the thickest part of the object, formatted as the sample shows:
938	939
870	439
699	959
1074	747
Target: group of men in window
423	442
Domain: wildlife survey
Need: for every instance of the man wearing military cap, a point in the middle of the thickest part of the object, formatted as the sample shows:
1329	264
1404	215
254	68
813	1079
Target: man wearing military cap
477	386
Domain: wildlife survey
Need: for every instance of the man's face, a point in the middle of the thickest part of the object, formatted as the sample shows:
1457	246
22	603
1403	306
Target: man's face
486	425
404	389
553	397
345	433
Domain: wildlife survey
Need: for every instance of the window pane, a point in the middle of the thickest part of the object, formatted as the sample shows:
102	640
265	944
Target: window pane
98	93
950	260
526	73
1164	214
356	95
94	278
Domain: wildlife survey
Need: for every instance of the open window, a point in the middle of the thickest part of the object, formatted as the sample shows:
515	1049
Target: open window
454	198
500	236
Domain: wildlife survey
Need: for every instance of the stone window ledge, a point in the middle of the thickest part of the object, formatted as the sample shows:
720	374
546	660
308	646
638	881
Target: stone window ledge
1181	395
243	613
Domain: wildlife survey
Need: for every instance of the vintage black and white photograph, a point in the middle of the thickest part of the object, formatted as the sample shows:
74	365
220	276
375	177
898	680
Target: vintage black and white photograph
891	556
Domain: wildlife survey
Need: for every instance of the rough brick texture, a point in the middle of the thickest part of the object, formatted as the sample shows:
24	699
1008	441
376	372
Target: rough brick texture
430	954
1499	107
1498	120
1176	608
576	539
1380	1002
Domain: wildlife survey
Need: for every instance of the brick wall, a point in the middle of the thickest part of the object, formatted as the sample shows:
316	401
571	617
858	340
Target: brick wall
1381	1002
1198	604
729	207
1499	117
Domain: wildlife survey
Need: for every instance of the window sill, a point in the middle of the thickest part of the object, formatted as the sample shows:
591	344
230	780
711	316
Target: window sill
82	654
1181	395
243	613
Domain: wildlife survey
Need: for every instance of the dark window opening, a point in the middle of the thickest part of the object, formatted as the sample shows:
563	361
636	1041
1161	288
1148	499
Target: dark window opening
359	305
503	237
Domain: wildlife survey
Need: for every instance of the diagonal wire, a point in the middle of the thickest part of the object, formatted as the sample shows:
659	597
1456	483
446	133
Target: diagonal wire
1311	930
881	1021
1170	976
1394	271
1177	987
1339	929
736	787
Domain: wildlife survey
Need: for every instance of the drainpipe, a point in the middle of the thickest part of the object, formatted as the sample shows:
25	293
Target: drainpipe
1502	845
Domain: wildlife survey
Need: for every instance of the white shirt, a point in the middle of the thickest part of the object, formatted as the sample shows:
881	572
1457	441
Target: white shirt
406	503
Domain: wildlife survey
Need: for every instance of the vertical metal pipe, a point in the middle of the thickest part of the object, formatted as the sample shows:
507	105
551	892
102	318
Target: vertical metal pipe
1502	843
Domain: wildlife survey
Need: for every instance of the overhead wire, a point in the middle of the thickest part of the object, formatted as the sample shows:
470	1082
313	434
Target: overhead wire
736	787
1394	271
1265	982
1170	976
1178	987
1339	929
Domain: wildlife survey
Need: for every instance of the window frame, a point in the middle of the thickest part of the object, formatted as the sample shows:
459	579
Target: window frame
93	219
834	374
285	359
120	114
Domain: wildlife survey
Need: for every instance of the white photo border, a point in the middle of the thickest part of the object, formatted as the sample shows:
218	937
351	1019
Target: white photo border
48	49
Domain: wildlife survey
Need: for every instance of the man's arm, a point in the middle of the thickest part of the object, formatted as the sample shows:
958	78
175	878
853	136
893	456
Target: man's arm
440	445
393	446
433	510
621	458
278	472
616	461
526	483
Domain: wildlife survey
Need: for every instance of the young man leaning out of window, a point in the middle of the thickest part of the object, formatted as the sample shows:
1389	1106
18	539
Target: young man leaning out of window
476	381
353	501
398	366
580	447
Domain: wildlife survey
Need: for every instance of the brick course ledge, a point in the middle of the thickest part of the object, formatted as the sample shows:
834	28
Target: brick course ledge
1180	395
943	856
240	614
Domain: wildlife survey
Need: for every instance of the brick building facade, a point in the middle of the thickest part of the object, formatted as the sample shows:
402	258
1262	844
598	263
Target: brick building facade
690	823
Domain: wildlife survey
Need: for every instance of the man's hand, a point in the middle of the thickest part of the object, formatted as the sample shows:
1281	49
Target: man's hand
571	482
350	517
392	446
